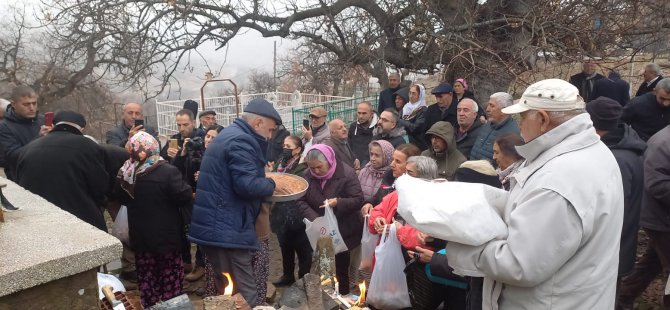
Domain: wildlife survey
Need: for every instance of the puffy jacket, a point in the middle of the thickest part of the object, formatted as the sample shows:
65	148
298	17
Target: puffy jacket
231	187
16	132
628	149
483	147
449	161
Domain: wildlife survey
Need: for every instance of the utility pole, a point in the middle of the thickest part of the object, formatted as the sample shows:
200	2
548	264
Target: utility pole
274	74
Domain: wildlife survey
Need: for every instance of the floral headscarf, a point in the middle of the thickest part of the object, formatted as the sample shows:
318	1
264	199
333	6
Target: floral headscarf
371	178
144	153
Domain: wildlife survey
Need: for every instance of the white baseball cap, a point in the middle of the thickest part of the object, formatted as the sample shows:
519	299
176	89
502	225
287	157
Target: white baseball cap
549	95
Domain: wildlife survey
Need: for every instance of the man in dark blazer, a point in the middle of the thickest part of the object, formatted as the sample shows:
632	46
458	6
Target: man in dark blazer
584	80
652	74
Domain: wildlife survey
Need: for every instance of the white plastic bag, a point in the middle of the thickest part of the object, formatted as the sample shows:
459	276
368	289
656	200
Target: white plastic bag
368	245
388	285
120	227
466	213
325	226
108	279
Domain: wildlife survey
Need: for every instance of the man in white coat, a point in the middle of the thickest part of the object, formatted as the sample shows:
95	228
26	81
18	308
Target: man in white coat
564	213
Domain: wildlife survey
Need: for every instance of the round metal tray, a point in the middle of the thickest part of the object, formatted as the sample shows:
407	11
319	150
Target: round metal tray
292	197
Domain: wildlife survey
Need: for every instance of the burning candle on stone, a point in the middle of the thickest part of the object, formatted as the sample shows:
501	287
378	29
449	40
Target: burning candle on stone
337	288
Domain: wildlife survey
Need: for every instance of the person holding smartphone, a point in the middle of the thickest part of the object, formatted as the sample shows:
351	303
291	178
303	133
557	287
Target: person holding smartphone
316	131
21	125
132	123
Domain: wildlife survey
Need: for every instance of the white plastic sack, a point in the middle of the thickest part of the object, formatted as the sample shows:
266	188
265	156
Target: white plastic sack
108	279
325	226
368	245
467	213
388	285
120	226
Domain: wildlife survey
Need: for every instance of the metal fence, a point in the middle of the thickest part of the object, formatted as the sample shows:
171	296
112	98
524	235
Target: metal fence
292	107
226	111
344	109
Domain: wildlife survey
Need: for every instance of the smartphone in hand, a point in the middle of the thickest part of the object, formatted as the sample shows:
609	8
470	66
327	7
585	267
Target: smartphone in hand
139	122
173	144
49	119
305	123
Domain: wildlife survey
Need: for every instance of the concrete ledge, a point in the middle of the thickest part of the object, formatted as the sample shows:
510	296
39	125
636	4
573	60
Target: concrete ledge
41	243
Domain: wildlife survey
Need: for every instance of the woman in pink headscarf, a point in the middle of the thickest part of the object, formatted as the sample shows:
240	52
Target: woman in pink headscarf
338	185
462	91
155	194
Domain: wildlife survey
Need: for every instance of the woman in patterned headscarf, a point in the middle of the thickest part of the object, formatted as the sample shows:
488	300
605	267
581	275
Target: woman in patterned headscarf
154	193
381	155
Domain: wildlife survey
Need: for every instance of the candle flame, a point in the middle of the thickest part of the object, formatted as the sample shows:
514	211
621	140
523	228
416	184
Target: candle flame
361	300
228	291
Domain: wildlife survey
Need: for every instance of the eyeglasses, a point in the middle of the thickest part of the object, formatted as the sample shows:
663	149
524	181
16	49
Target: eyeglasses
316	117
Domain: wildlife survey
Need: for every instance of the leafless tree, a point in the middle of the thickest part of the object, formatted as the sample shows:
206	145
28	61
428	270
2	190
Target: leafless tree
260	82
490	42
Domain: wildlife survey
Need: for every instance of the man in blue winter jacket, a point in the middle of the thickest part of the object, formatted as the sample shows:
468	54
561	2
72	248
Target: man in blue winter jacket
231	187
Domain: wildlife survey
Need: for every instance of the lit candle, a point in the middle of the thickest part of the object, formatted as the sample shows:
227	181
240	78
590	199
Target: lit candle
337	288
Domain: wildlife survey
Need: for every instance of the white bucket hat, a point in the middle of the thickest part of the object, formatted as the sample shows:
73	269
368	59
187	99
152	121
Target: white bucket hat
549	95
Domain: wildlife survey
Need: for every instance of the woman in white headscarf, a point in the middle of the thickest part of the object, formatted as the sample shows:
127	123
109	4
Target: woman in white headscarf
412	116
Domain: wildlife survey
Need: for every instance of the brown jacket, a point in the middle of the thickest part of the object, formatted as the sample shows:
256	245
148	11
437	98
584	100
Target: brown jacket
345	187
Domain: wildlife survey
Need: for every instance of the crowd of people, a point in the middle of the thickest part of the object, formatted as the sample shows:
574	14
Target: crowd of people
585	166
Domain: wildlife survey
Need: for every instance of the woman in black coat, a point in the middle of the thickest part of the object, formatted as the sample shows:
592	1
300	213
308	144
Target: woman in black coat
286	220
339	185
154	193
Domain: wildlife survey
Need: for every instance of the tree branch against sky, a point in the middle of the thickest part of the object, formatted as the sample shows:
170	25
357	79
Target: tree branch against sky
490	42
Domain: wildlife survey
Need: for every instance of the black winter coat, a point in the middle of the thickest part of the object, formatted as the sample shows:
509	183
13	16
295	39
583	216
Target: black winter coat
628	149
583	84
115	157
386	100
615	89
16	132
646	115
465	142
276	144
344	186
155	219
68	170
118	135
644	88
360	136
433	114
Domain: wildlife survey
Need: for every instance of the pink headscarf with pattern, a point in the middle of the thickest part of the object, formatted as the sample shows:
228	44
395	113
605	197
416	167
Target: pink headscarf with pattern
144	153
